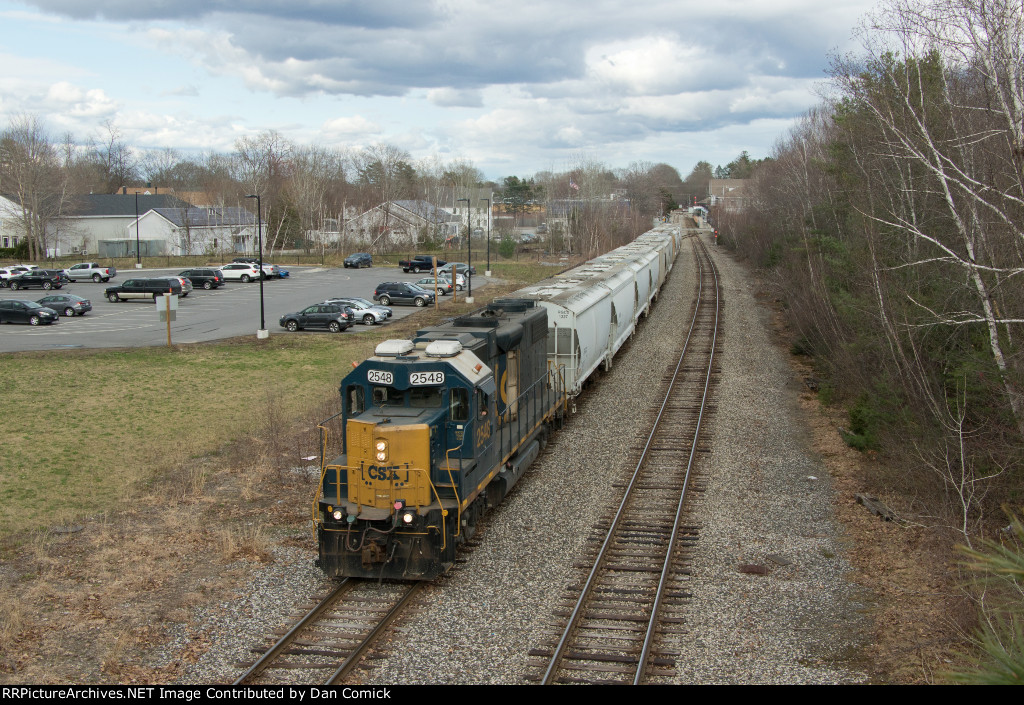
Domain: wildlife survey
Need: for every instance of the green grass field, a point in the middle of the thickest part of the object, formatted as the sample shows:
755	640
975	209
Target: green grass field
81	431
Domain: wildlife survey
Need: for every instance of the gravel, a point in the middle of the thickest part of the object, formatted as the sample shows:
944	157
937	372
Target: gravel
761	506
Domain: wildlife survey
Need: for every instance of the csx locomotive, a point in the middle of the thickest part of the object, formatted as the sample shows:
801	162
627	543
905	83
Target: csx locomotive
437	429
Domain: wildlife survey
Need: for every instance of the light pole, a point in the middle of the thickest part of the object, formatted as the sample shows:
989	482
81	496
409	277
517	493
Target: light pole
488	202
469	236
262	332
138	252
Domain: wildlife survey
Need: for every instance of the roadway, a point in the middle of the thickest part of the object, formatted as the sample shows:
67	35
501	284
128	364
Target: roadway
233	310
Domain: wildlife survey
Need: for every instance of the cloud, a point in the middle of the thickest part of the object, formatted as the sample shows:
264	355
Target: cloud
455	98
497	79
353	128
76	102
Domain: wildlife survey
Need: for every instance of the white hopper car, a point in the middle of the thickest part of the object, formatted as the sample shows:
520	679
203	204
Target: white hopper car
593	309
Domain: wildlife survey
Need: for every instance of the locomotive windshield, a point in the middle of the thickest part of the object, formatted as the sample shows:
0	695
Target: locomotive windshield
416	398
425	397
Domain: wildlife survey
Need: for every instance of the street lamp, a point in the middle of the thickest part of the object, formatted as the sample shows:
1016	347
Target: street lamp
469	277
138	253
488	202
262	332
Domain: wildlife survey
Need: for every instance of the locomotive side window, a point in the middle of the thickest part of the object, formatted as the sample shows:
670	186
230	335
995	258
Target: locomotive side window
425	397
356	399
382	396
458	404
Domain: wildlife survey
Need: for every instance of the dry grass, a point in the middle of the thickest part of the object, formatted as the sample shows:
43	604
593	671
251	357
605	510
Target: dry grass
247	542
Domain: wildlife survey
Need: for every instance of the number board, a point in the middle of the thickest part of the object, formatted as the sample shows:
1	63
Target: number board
379	377
421	379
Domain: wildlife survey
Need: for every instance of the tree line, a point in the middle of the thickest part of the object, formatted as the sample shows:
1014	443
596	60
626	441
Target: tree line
308	191
892	220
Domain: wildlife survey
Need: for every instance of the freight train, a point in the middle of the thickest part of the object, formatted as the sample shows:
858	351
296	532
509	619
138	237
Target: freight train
437	429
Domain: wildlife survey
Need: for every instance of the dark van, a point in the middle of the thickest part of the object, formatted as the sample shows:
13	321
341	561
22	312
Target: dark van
146	289
206	278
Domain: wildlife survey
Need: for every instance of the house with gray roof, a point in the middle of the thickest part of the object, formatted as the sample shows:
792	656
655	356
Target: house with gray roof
406	223
192	230
94	221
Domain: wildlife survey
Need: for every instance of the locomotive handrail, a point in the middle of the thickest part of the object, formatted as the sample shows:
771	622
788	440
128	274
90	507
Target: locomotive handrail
323	466
455	489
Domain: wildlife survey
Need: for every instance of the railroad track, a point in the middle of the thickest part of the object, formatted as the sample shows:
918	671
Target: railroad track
327	643
639	568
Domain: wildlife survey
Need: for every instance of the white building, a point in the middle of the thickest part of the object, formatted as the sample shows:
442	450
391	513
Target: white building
11	228
193	230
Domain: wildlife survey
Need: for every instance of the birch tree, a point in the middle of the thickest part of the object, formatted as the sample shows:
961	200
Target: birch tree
942	87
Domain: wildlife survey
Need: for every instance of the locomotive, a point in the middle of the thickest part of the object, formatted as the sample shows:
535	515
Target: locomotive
437	429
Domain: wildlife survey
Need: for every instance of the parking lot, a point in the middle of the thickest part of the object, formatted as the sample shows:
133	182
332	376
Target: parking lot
230	311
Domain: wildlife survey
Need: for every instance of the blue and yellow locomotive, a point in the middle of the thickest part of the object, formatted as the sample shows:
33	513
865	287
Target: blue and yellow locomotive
435	430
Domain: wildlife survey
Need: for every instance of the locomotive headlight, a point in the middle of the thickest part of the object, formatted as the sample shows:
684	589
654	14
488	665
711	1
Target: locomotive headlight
407	517
382	451
337	515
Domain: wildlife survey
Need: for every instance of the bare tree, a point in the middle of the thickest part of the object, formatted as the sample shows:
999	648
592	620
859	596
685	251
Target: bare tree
30	170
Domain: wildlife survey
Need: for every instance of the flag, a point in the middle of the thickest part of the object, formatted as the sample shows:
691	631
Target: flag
572	184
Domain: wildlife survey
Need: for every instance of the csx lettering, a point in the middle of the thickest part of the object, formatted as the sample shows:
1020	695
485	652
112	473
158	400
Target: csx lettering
390	472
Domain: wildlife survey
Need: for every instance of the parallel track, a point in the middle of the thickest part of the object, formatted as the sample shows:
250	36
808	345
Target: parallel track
333	636
609	634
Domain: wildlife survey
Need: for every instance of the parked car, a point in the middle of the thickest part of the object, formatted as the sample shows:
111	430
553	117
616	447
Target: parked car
186	285
68	304
363	311
402	293
43	278
270	271
8	272
90	270
333	317
359	260
206	278
459	267
242	271
444	286
16	311
367	302
419	263
146	289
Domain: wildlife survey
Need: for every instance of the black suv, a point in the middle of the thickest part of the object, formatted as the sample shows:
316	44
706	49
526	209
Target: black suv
333	317
359	260
206	278
146	289
45	278
402	293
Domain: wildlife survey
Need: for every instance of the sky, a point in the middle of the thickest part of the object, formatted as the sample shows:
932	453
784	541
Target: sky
515	86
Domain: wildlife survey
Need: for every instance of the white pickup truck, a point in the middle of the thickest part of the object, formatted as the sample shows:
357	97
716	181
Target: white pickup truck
90	270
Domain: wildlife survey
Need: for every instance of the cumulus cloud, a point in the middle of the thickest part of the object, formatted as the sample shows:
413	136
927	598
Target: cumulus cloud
78	102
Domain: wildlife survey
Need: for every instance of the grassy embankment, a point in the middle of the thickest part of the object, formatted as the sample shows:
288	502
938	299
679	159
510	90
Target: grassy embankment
86	431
